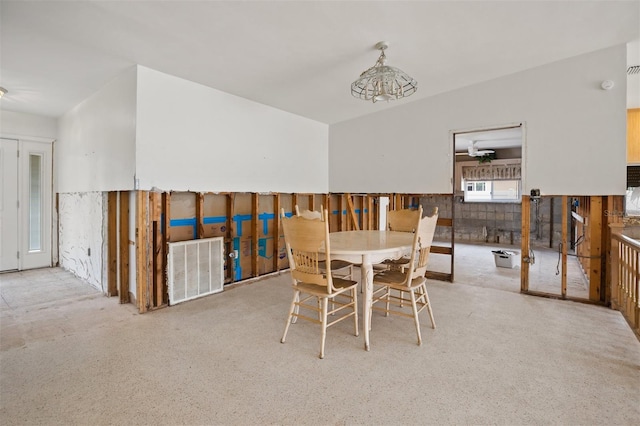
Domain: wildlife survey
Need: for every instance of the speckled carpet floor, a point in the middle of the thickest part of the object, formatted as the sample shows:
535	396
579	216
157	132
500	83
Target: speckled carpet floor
71	356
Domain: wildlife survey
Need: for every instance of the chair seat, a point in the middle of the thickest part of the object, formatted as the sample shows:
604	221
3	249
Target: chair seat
335	264
339	284
396	279
402	262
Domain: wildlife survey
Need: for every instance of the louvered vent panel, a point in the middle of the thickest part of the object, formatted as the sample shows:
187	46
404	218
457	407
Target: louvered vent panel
633	176
195	269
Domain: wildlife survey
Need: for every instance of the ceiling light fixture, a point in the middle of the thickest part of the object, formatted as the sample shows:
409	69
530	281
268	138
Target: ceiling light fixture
3	91
382	82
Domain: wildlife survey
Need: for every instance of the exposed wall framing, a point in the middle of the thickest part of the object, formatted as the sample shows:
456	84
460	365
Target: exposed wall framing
254	244
248	222
591	239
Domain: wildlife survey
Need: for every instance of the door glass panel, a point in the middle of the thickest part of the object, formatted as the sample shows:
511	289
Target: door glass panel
35	202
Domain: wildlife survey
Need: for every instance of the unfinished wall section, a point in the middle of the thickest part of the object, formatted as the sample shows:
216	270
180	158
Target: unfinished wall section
498	223
81	235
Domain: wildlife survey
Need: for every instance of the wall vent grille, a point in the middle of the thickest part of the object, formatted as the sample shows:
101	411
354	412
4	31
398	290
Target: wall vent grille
195	269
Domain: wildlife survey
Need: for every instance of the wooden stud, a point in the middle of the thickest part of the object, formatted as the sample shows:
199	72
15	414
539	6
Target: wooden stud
124	247
312	202
199	215
231	232
159	266
341	207
142	258
551	201
596	292
524	245
351	212
294	201
452	235
112	243
166	227
255	208
565	219
614	218
276	231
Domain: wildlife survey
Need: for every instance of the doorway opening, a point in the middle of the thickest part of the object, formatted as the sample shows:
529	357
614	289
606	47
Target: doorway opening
487	181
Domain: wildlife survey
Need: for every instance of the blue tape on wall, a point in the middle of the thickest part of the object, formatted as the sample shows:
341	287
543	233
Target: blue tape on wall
265	218
237	270
239	218
210	220
183	222
262	248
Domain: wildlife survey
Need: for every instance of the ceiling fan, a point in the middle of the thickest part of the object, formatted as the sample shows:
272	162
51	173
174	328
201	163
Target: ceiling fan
473	151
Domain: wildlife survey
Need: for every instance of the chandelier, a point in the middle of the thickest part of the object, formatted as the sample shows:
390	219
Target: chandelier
382	82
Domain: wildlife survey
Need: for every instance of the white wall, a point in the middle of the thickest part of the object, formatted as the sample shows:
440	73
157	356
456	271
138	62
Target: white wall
96	143
633	80
575	132
192	137
25	125
81	232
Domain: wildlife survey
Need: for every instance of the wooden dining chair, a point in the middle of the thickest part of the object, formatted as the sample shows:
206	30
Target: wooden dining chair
409	280
339	268
404	220
307	243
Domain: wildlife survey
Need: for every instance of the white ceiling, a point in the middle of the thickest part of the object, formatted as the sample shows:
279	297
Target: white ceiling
296	56
490	139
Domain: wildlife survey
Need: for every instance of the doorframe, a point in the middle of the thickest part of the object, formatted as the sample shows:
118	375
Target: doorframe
523	166
48	197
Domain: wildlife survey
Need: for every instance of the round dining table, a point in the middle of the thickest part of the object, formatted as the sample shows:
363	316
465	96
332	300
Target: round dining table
367	248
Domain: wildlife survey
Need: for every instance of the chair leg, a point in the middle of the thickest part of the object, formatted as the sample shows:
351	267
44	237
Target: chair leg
296	309
354	300
415	316
426	298
386	313
296	297
325	303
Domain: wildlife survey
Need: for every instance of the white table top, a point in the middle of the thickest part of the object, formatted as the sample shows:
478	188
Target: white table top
361	242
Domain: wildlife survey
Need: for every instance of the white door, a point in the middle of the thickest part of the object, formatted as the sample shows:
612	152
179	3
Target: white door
9	205
35	204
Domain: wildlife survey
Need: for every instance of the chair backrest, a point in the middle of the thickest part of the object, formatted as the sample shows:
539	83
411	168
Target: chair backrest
310	214
404	220
422	243
307	242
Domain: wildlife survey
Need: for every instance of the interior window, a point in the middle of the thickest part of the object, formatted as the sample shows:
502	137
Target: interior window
492	190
